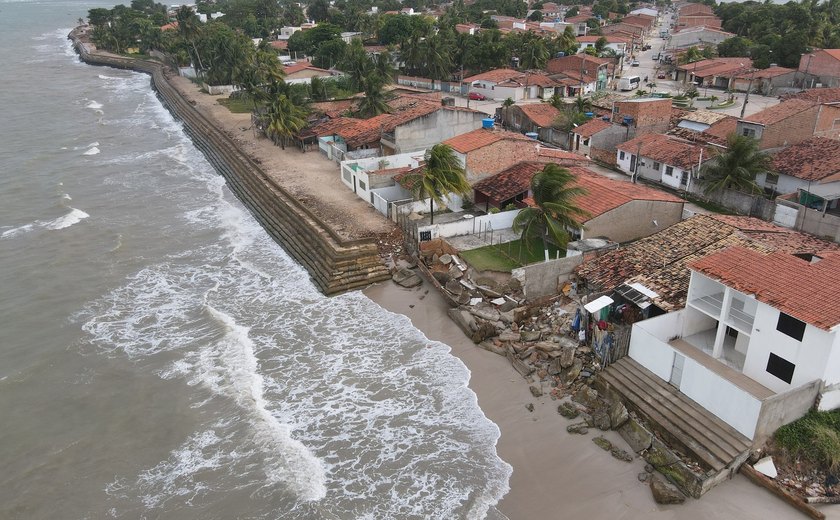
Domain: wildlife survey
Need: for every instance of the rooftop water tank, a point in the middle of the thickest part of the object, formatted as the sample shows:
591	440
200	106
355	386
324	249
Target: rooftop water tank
589	115
605	118
487	122
532	135
627	120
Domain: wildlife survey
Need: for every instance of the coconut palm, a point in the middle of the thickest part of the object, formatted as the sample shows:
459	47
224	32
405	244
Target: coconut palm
442	175
555	211
735	168
285	119
438	57
188	27
375	101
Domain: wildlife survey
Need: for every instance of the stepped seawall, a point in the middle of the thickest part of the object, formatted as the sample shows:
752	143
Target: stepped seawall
334	263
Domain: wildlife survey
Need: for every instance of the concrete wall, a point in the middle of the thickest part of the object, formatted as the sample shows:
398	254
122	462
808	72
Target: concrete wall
722	398
544	278
469	226
791	130
425	132
634	220
810	356
817	223
784	408
786	183
821	64
742	203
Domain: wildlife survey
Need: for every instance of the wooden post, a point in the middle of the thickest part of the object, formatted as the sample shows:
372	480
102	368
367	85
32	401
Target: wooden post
772	486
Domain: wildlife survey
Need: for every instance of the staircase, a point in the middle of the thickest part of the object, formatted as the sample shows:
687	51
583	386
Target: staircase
683	423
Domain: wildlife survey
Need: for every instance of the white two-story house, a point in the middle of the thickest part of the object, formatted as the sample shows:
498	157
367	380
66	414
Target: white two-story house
757	342
661	158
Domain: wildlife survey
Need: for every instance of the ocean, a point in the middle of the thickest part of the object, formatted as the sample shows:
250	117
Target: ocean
161	357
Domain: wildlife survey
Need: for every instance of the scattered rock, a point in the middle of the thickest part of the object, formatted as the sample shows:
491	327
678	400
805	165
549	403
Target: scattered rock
567	357
665	492
464	320
601	419
568	410
618	415
445	259
586	396
603	443
441	277
643	477
535	391
524	369
454	272
454	287
530	406
620	454
508	336
568	375
636	435
579	428
649	468
405	277
529	335
485	312
492	347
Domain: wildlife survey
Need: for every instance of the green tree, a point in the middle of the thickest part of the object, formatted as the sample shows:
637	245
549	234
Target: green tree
438	57
442	175
284	120
737	167
555	212
375	101
189	29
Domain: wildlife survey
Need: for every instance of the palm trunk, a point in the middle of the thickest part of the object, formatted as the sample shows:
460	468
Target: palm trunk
545	247
432	212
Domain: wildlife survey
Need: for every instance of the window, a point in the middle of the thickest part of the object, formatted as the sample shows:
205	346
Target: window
656	165
347	175
621	155
362	184
781	368
669	170
791	326
772	179
749	132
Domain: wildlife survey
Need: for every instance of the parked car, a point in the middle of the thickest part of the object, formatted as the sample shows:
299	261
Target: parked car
661	75
477	96
635	63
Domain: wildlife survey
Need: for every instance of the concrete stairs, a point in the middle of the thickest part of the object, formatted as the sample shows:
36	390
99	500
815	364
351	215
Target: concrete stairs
681	422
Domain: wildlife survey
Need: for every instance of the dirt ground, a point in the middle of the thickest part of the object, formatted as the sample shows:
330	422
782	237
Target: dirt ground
310	177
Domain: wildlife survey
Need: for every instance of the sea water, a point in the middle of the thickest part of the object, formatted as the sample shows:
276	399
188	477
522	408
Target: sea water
161	357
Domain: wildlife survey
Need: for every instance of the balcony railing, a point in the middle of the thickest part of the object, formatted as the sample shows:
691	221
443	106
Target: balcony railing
741	321
711	304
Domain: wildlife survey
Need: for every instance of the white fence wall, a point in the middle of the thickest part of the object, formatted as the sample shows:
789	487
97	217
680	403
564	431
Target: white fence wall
468	226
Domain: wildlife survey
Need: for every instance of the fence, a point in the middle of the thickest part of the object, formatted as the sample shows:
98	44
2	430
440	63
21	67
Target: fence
543	278
472	225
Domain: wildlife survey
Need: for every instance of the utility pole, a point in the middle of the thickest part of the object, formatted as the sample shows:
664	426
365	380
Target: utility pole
747	96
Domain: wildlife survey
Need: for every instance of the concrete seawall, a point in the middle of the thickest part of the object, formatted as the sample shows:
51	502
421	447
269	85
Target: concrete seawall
335	264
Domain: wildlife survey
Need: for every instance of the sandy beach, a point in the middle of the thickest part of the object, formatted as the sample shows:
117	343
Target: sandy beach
557	474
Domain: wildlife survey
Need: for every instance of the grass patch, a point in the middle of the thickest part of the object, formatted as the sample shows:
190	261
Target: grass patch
725	104
241	104
815	438
510	255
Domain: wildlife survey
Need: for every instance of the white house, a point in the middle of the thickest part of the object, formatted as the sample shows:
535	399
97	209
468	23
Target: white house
810	162
663	158
757	341
646	11
372	179
618	45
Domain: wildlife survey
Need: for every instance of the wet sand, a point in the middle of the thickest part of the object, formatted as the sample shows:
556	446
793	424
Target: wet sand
557	474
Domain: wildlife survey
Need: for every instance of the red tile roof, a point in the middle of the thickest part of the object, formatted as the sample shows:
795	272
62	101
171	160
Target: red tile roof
602	194
780	112
660	261
592	127
807	291
817	95
811	160
542	114
299	66
559	156
480	138
664	149
494	76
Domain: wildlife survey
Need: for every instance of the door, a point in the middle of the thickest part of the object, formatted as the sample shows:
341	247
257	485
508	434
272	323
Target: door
677	369
632	163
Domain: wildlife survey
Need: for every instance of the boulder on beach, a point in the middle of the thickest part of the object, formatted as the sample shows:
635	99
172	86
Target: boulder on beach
665	492
405	277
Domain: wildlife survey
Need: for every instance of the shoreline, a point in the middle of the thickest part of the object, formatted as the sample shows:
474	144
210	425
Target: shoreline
557	474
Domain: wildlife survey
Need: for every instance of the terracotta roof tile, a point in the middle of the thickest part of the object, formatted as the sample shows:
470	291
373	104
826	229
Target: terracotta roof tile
780	112
660	261
817	95
811	160
495	75
804	290
542	114
665	149
480	138
592	127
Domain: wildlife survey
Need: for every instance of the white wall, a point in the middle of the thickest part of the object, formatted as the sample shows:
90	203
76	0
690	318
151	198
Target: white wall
468	226
811	356
671	180
786	184
623	164
649	347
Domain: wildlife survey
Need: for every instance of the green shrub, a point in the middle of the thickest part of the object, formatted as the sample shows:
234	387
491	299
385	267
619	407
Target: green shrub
493	211
510	207
815	438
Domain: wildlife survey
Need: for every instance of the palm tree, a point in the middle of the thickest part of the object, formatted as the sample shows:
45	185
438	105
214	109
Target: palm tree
375	101
555	211
285	119
438	57
735	168
442	175
188	28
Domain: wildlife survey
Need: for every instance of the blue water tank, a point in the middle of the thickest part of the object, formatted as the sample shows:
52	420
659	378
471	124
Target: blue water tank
605	118
627	120
560	54
487	122
532	135
589	115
